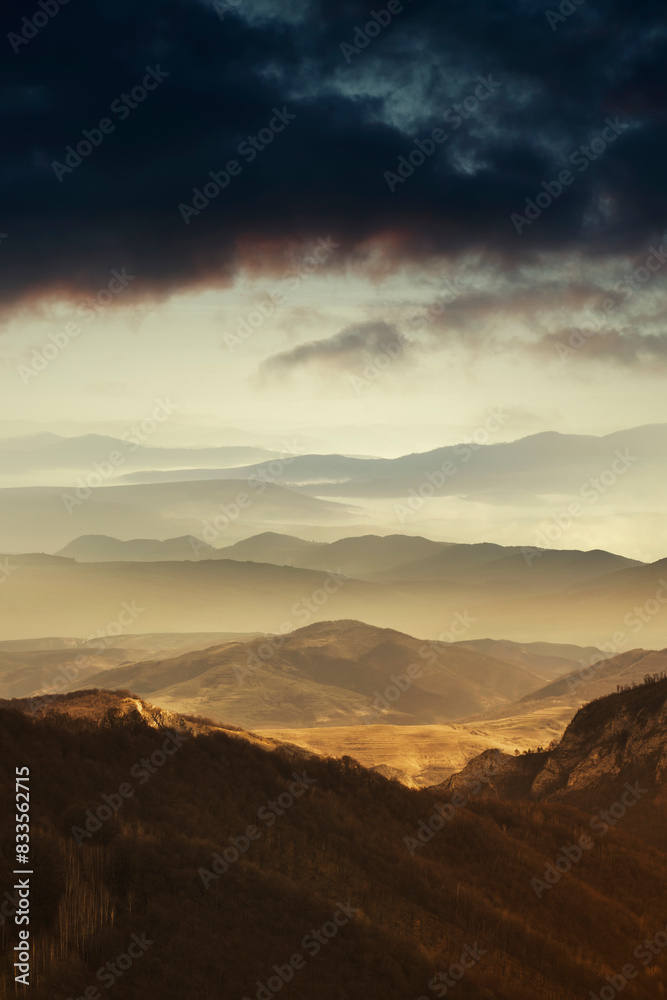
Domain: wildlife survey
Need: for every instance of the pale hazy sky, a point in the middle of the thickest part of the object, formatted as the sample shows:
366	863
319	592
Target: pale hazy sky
432	376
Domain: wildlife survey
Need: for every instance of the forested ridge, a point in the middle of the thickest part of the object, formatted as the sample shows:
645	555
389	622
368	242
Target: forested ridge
348	836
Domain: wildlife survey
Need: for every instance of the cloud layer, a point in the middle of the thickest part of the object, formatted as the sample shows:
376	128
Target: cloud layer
227	69
353	345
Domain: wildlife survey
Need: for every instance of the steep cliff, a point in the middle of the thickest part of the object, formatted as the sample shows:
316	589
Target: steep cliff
612	743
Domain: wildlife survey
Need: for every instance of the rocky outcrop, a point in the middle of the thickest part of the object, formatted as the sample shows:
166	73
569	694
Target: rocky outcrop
616	739
500	775
608	742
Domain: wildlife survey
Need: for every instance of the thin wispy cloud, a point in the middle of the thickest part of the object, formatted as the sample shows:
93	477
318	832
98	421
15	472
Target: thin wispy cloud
350	347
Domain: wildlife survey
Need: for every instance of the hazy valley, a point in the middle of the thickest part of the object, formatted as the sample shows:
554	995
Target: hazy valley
440	710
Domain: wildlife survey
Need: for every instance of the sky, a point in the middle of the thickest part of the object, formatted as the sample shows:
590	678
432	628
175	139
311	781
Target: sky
300	216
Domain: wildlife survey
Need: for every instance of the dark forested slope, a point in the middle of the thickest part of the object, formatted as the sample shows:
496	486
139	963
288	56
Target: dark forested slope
330	881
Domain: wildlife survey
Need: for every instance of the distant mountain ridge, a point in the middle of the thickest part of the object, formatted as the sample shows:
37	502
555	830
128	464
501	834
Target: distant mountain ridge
53	451
384	558
48	518
331	674
54	665
61	489
547	462
599	677
570	601
104	548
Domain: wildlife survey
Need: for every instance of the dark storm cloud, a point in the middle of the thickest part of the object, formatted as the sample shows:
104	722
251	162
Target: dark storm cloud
353	344
325	173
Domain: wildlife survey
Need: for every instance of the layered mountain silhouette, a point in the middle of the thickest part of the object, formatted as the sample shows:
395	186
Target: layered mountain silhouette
104	548
28	666
47	518
601	676
546	657
384	558
547	462
544	463
362	556
135	645
333	674
45	453
525	485
584	598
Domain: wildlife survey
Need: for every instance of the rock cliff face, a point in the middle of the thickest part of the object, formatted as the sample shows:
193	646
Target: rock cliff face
617	739
620	738
500	775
